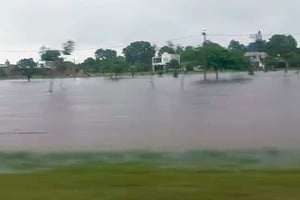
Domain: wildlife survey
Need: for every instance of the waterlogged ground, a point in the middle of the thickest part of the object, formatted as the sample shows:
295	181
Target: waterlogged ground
151	113
133	138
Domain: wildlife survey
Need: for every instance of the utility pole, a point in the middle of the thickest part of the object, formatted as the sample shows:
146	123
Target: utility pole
204	36
204	56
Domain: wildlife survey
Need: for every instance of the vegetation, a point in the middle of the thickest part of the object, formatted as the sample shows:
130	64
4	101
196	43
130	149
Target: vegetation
281	50
68	47
103	54
140	53
135	181
145	175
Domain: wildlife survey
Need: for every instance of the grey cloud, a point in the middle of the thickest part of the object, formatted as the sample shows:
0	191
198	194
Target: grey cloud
29	24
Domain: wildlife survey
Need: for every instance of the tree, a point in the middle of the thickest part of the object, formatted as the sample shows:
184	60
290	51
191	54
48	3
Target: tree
257	46
282	46
217	57
118	65
105	54
236	46
27	67
179	49
68	47
166	49
192	56
294	60
174	65
51	55
43	49
27	63
132	70
270	63
139	53
214	56
89	65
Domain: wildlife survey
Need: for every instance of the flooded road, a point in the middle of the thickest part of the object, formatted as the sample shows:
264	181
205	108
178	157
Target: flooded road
153	113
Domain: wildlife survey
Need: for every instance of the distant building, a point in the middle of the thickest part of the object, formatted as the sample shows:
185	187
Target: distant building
257	59
46	64
69	58
257	37
159	62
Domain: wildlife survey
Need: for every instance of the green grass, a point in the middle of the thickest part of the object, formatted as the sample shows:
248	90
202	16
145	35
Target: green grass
254	174
135	181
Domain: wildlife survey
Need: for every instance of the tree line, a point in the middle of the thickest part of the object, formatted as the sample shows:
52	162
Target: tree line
282	51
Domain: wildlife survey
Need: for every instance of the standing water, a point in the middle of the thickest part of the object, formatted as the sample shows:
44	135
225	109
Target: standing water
151	113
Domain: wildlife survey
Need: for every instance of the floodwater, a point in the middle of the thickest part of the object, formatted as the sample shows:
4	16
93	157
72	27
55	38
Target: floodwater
151	113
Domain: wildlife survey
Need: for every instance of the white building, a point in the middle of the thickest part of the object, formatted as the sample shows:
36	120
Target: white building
46	64
161	61
257	59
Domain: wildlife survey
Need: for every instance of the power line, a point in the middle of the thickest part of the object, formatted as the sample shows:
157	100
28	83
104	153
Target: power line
18	51
157	42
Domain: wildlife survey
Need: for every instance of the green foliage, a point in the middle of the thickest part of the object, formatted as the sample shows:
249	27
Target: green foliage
175	73
189	66
139	53
132	70
166	49
3	73
214	56
257	46
211	56
26	63
193	56
270	61
281	45
219	58
118	66
105	54
160	72
179	50
89	65
294	59
68	47
173	65
236	46
51	55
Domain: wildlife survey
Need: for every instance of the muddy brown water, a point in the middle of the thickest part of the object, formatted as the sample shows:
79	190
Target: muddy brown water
98	114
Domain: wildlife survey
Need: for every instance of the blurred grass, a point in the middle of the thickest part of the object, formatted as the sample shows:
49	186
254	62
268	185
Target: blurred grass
261	174
15	162
139	181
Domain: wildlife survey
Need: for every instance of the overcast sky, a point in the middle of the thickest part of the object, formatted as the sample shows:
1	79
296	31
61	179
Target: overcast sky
29	24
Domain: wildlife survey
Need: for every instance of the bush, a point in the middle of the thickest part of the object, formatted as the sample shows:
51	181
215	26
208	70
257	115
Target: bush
189	68
160	72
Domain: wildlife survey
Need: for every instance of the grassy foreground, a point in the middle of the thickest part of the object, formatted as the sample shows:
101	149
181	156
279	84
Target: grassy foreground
257	175
95	181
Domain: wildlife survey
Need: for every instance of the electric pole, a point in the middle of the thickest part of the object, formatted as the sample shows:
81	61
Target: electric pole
204	55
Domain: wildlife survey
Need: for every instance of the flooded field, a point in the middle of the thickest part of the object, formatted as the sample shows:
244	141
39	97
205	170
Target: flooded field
151	113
